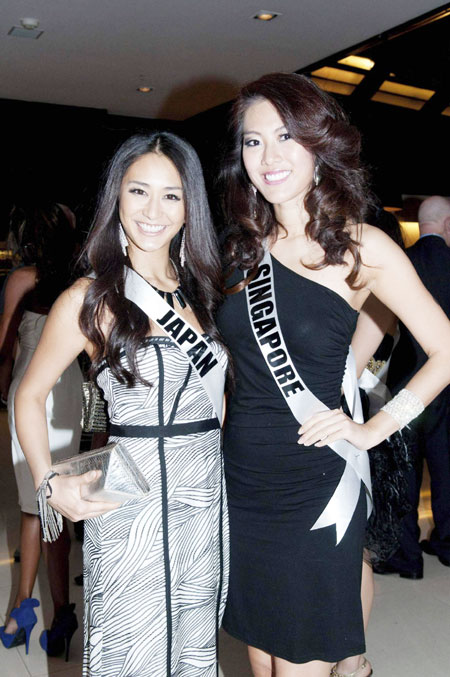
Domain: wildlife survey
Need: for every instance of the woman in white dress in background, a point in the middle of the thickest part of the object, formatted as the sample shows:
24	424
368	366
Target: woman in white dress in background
46	241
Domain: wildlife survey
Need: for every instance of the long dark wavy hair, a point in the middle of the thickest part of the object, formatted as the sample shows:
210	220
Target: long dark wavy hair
200	277
42	236
316	121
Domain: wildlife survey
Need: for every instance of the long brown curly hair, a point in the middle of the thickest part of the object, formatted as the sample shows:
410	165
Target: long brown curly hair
316	121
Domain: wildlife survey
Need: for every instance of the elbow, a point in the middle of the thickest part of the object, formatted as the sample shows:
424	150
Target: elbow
448	369
444	355
26	399
441	361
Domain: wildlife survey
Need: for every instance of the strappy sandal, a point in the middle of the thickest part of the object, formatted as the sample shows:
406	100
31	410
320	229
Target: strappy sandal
355	673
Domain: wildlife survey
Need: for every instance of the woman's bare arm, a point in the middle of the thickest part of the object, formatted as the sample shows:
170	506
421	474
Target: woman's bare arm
61	342
18	285
390	276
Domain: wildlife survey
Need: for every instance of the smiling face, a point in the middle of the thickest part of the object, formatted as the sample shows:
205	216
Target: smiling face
151	204
280	168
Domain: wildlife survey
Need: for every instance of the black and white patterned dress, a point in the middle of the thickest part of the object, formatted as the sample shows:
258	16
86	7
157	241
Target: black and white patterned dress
155	569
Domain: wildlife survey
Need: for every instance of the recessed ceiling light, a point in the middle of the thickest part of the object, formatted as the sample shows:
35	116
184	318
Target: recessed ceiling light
333	86
405	96
20	32
394	100
144	89
265	15
29	23
406	90
358	62
338	74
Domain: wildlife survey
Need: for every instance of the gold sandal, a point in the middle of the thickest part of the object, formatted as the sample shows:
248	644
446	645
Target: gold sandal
355	673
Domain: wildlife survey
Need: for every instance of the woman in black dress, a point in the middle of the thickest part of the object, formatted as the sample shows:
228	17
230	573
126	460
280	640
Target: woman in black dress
295	200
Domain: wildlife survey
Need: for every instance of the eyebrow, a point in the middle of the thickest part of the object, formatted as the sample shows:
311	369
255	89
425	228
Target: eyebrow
249	131
142	183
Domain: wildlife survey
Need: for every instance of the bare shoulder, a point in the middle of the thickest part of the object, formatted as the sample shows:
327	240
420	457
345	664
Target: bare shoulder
377	248
79	288
367	235
24	273
72	299
71	302
23	278
19	283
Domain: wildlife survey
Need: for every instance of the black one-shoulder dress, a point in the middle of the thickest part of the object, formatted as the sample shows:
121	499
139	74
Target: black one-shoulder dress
293	592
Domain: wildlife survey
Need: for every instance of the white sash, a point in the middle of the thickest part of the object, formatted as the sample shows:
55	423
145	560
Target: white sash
303	403
190	342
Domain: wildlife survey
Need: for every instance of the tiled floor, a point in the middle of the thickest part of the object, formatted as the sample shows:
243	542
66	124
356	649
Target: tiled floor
409	632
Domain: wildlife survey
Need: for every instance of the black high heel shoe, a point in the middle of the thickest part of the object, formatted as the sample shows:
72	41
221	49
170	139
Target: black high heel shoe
58	638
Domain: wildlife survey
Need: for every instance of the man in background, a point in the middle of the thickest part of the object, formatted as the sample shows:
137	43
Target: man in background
430	256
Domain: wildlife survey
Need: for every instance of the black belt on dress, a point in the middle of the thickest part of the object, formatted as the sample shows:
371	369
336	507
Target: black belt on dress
164	430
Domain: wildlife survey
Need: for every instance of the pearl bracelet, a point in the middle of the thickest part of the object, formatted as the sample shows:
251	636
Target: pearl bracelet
404	407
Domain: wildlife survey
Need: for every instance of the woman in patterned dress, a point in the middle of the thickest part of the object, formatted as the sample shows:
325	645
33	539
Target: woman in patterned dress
154	567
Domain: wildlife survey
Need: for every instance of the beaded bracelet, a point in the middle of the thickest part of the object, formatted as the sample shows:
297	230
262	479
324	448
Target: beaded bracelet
405	406
51	520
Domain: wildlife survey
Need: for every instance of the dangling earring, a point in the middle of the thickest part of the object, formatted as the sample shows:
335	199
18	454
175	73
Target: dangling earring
123	239
316	176
254	201
183	248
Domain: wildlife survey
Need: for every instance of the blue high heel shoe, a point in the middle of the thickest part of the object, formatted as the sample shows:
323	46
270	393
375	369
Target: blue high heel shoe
57	640
26	619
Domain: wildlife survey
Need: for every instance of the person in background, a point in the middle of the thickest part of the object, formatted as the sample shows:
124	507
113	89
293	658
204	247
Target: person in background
11	244
46	243
301	263
376	336
13	247
430	256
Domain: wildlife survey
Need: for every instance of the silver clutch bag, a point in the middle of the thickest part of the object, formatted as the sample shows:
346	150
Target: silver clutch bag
120	480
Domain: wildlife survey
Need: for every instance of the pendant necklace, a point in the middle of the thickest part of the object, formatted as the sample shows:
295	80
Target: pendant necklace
169	296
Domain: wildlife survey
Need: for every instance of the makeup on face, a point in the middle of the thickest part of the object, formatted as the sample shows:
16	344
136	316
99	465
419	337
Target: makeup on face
151	203
278	166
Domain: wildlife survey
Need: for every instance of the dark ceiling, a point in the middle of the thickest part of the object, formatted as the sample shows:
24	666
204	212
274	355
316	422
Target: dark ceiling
405	148
419	57
416	53
60	150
